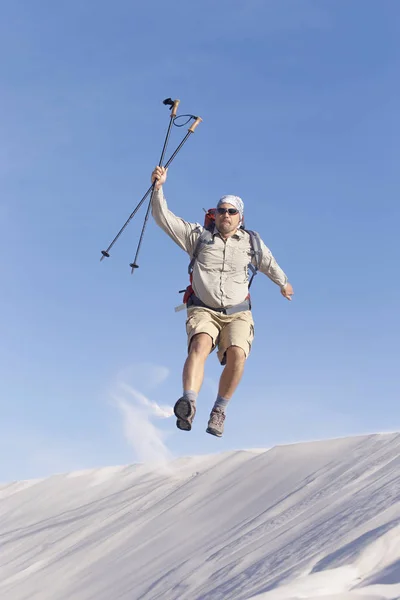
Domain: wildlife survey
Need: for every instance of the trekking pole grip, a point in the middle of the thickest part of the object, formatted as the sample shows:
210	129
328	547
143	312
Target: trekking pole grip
174	108
195	124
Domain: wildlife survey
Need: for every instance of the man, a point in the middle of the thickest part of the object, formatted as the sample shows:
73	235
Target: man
218	313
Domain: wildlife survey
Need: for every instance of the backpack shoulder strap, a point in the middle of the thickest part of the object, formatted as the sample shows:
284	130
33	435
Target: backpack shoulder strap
255	242
205	237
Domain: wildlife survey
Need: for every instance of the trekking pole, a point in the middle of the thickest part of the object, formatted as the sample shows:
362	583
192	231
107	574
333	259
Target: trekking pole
191	130
174	109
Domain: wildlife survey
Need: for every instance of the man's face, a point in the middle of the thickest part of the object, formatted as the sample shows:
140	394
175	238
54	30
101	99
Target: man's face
227	223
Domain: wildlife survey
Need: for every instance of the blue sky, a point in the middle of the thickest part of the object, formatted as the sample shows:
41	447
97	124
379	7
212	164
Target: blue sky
299	102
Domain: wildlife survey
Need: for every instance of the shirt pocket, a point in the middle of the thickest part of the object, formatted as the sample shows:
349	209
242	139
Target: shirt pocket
239	261
211	255
240	276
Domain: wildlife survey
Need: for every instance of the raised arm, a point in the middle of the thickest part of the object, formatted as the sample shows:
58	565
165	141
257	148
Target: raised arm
180	231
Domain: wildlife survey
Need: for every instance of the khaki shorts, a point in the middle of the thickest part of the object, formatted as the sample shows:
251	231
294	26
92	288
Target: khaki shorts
224	330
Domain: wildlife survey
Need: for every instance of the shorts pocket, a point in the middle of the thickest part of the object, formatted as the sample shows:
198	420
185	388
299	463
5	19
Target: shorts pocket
251	335
191	323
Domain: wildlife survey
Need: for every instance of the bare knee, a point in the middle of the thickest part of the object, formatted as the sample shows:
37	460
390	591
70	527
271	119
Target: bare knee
235	356
201	345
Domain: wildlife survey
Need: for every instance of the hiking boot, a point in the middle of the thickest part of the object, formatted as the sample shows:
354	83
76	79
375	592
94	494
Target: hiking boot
185	411
216	422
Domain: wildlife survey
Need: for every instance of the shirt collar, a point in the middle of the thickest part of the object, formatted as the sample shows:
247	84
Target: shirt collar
238	233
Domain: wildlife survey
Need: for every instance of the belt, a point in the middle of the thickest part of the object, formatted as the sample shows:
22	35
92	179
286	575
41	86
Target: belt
229	310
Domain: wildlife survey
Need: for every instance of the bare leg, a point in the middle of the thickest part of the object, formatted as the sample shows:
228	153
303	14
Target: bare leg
193	371
232	373
230	378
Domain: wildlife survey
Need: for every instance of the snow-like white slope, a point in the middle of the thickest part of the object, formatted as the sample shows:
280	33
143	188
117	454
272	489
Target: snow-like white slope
299	521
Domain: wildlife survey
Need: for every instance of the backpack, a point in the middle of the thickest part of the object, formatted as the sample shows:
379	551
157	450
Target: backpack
206	237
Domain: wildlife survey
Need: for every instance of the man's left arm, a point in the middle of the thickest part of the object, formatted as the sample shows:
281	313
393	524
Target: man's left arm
270	267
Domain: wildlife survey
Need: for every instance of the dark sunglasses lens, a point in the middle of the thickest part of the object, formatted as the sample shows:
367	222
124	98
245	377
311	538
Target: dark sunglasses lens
231	211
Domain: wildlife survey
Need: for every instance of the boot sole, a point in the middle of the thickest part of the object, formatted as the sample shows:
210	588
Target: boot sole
183	412
214	432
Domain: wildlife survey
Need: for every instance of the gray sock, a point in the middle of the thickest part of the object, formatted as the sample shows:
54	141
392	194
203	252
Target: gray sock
221	403
190	395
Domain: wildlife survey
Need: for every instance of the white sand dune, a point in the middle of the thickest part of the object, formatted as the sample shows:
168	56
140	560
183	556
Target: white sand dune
311	520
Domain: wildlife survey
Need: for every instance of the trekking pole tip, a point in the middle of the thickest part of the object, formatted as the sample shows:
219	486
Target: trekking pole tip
195	124
105	255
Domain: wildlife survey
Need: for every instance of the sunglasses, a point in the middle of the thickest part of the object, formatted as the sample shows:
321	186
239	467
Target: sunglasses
230	211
